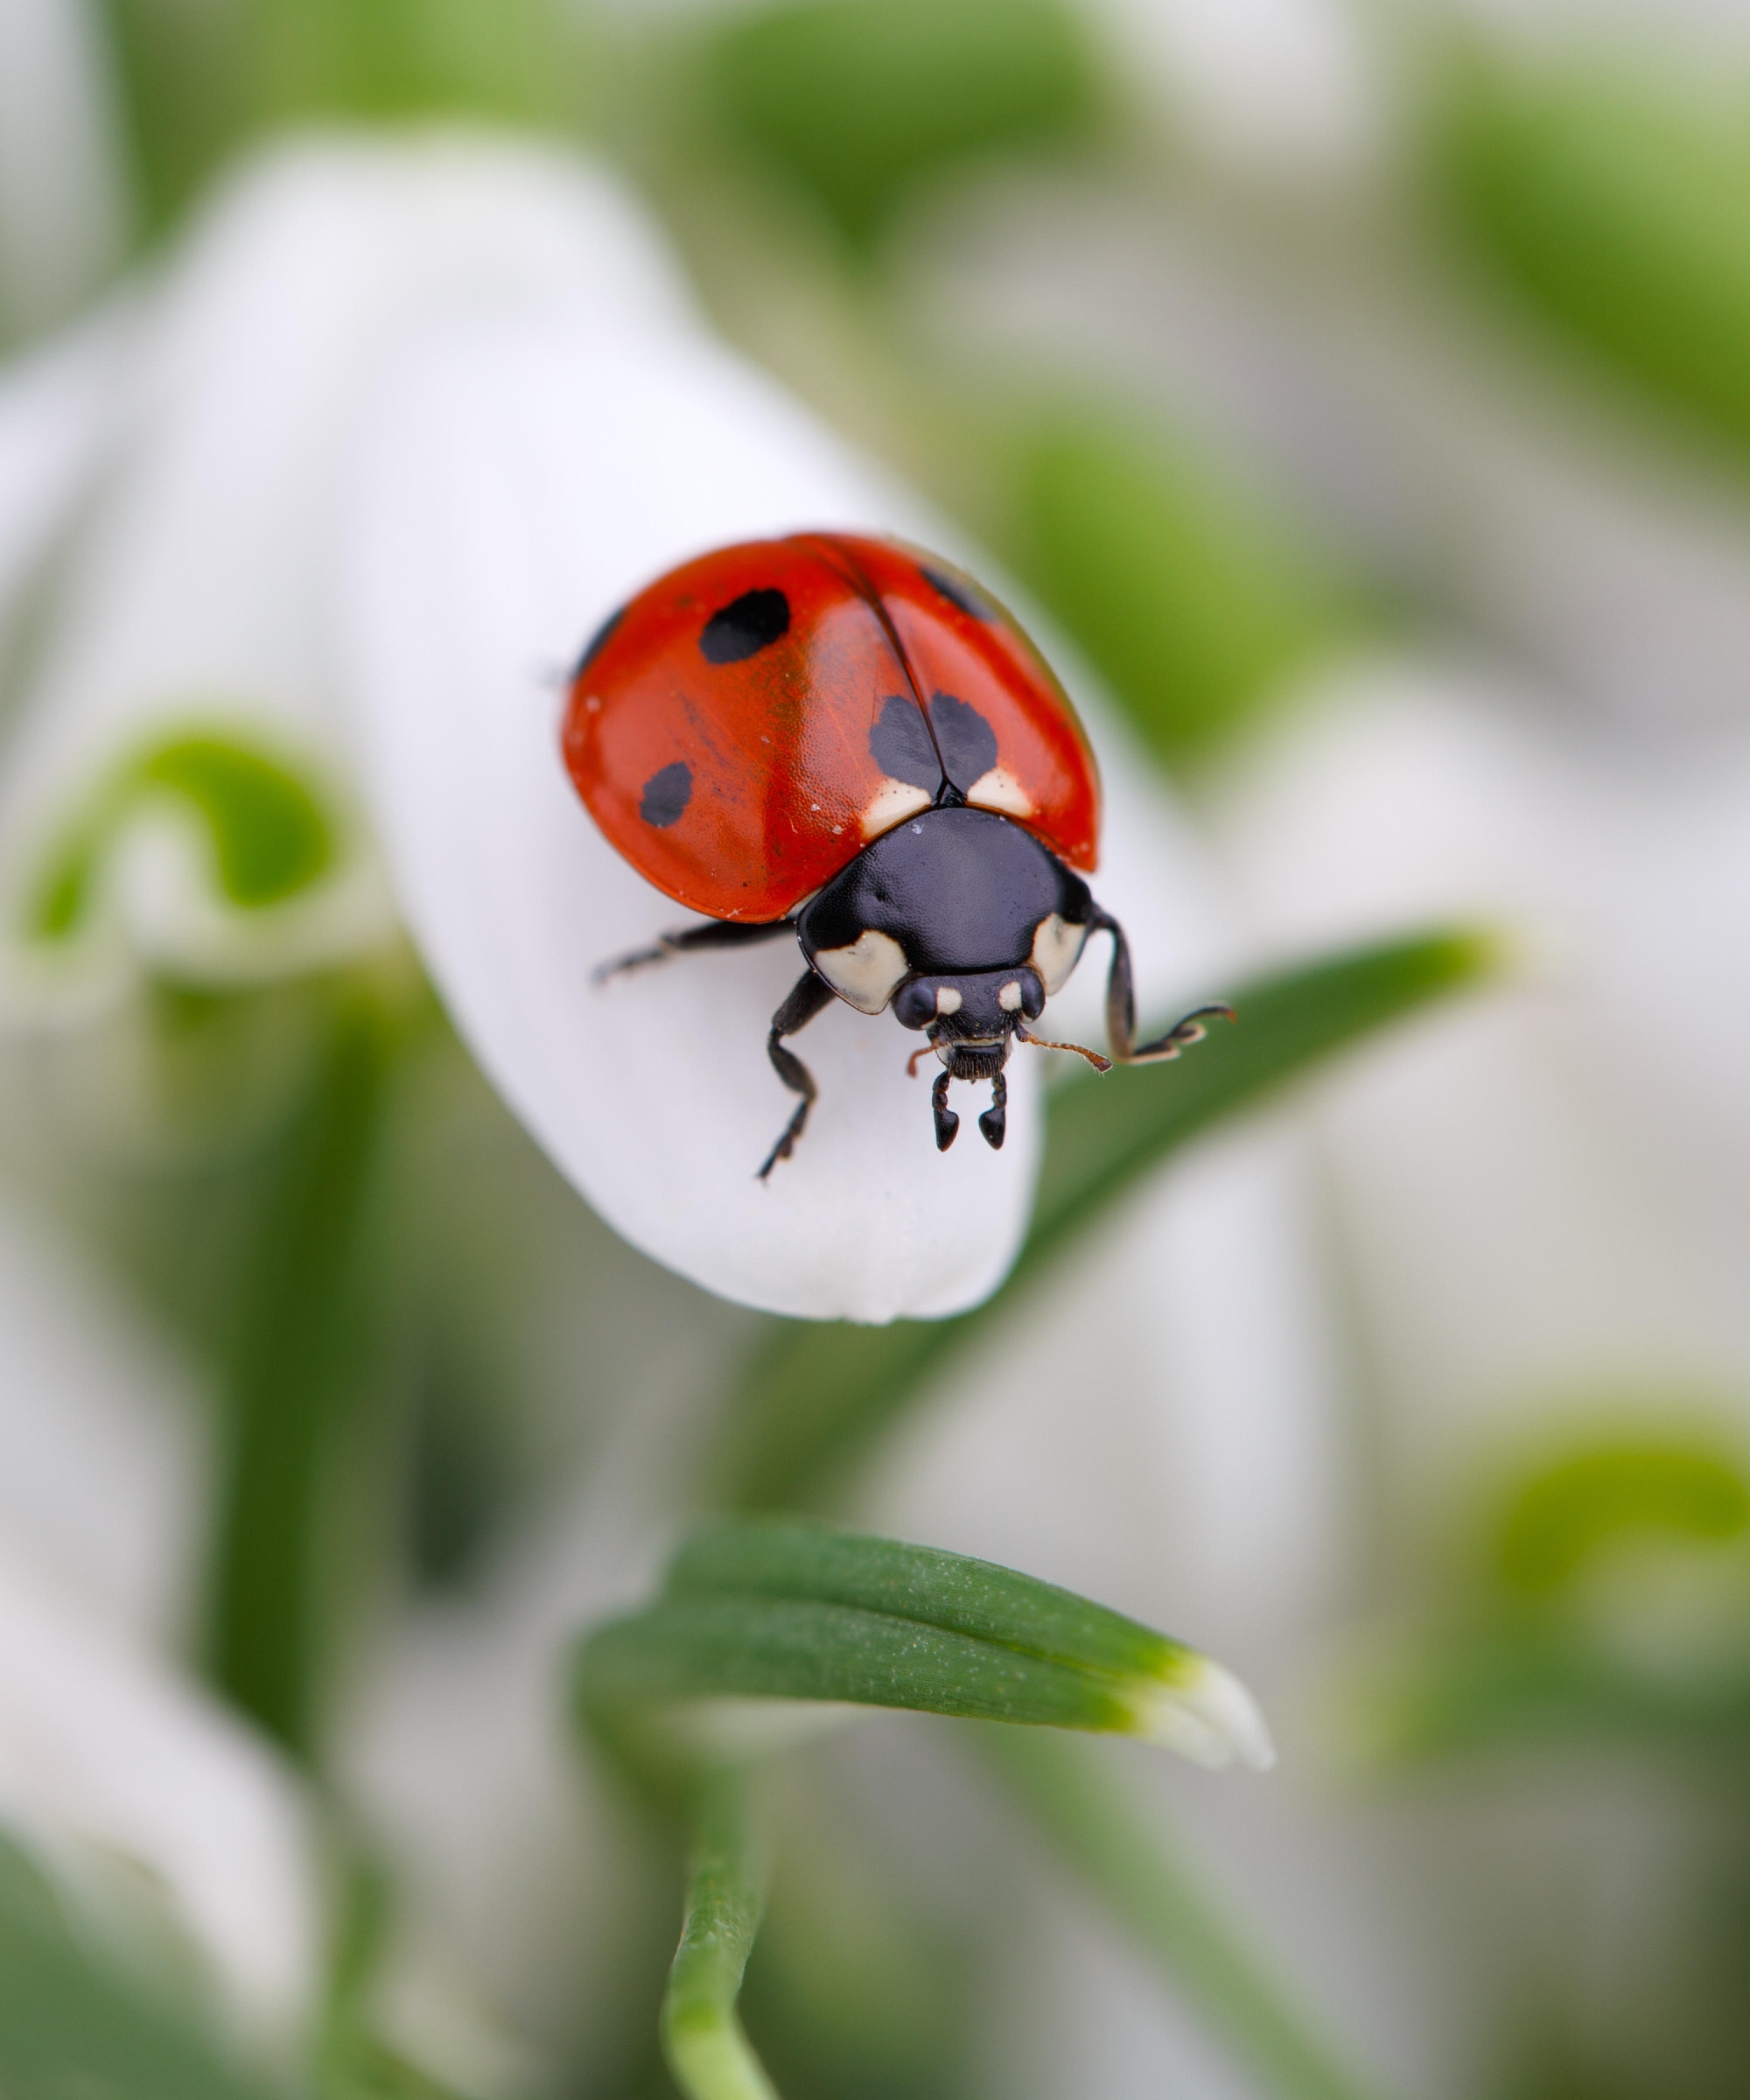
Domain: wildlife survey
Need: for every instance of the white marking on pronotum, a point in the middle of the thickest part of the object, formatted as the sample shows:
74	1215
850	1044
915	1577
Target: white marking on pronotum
1057	949
1000	789
1010	997
948	999
891	804
868	972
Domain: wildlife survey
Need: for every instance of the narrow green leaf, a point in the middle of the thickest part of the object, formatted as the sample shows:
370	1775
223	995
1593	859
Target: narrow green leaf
819	1395
71	2023
1124	1860
858	99
701	2035
787	1609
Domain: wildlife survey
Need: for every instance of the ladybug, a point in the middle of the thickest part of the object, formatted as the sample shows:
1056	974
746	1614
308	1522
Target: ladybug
847	740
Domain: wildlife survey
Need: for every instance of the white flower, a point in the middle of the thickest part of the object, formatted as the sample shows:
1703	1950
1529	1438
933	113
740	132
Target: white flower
526	477
105	1755
196	604
1542	1198
102	1456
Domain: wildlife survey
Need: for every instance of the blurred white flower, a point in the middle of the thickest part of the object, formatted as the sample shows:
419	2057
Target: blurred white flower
1541	1202
186	679
102	1462
106	1755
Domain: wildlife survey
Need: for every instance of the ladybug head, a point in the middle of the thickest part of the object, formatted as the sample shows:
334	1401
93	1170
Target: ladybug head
972	1016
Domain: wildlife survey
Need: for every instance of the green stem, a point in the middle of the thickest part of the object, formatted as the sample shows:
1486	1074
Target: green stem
1120	1856
297	1369
702	2037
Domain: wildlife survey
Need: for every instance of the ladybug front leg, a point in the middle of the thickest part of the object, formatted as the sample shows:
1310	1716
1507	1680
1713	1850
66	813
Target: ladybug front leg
809	995
1121	1008
717	932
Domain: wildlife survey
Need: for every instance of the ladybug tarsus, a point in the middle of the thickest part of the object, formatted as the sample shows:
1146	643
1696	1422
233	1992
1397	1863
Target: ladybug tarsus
994	1122
947	1123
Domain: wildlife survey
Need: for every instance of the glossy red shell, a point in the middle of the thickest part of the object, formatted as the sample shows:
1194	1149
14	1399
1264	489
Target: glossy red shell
739	783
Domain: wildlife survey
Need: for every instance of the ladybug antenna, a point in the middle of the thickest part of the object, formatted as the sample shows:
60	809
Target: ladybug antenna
915	1059
1099	1063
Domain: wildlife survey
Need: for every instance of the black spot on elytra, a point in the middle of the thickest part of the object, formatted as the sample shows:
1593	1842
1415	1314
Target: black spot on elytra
593	646
900	743
666	796
958	592
969	743
745	626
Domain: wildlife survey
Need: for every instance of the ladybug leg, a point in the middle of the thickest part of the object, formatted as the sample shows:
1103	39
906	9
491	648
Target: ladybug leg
947	1123
715	933
994	1121
809	995
1121	1009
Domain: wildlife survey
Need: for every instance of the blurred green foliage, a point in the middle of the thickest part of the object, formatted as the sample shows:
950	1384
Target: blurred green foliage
1560	1519
270	834
860	101
812	1400
1199	605
201	81
303	1357
1616	204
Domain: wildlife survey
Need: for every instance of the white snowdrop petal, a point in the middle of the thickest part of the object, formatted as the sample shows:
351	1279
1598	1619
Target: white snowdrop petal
57	409
526	478
100	1746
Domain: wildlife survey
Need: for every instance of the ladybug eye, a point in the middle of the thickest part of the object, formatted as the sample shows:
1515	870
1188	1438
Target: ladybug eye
914	1004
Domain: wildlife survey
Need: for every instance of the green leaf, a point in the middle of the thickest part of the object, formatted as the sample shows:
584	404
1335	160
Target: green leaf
1615	203
859	100
1122	1857
72	2023
786	1608
814	1400
701	2035
1198	606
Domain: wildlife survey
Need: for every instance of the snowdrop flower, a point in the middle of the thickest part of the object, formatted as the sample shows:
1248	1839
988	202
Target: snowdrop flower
179	797
109	1763
524	477
1543	1199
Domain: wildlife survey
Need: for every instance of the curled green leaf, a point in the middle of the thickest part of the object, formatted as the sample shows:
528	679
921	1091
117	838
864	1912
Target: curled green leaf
785	1608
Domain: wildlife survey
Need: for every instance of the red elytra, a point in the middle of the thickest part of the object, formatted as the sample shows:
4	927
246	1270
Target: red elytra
742	729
